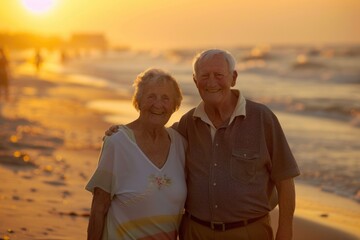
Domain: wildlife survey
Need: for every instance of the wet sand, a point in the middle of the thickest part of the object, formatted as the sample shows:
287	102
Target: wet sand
49	148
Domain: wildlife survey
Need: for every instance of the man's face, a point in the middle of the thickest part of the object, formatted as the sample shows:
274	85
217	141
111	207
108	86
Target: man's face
214	80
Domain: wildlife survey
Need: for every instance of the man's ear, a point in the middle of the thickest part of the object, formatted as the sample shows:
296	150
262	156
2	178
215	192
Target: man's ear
194	78
234	76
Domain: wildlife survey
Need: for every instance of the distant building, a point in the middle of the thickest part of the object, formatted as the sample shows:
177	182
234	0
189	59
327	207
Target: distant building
88	41
77	42
29	40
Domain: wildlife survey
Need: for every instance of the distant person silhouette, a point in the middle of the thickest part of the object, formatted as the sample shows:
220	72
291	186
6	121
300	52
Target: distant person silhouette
38	60
63	56
4	76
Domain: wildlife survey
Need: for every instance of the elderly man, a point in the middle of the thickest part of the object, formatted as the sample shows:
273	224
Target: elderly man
237	154
237	158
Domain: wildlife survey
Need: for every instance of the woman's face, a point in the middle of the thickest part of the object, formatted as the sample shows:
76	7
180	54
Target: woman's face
157	103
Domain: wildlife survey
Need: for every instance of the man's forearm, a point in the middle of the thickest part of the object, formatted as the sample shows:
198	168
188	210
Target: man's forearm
286	192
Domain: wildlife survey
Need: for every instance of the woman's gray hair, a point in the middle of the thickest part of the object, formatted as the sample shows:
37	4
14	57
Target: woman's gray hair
154	75
207	54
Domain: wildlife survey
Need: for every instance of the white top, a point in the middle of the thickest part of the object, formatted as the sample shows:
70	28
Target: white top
147	202
240	109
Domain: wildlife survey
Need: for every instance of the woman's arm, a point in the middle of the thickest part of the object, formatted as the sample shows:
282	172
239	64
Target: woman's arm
99	208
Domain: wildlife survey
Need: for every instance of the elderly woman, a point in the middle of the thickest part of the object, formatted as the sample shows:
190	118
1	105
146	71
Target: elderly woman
139	186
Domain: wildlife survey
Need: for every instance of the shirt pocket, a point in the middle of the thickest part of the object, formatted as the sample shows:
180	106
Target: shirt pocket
243	165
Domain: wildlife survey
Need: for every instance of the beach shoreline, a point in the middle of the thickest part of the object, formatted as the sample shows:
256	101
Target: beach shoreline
50	141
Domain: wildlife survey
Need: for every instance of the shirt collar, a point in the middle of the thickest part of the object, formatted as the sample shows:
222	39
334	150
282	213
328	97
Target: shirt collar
240	109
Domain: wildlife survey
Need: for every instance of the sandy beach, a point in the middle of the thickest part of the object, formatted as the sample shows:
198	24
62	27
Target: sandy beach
50	141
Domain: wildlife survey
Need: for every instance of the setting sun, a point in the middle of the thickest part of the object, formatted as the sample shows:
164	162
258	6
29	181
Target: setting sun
38	6
161	24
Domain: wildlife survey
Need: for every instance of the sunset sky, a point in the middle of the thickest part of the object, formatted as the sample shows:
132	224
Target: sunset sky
190	23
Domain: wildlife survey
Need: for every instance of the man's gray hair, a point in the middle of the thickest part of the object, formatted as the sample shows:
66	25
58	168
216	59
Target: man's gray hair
207	54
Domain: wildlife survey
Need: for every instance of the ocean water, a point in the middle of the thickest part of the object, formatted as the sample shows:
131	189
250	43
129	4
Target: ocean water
314	91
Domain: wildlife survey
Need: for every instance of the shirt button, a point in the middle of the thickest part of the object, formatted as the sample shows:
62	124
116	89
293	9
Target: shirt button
214	183
216	206
217	144
215	164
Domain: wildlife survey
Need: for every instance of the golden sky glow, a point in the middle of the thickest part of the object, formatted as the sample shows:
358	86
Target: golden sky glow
38	6
188	23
